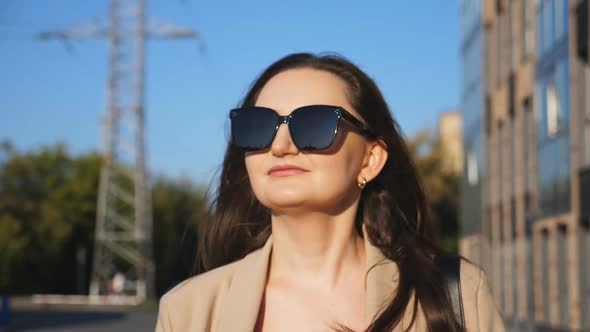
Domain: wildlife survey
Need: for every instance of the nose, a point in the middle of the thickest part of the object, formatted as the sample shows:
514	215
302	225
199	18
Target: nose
282	143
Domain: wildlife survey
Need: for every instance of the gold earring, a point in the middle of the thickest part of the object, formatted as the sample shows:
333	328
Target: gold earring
362	184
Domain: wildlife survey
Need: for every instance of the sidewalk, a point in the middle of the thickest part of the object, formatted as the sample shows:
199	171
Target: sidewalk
27	316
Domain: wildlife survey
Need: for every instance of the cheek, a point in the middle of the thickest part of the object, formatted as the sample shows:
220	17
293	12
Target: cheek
262	186
253	168
330	182
335	169
336	173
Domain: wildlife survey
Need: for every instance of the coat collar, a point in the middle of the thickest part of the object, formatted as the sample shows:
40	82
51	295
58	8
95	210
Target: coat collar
241	305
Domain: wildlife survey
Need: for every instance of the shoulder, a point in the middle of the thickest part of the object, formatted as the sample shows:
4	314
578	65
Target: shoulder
199	294
471	276
474	284
198	303
480	309
204	284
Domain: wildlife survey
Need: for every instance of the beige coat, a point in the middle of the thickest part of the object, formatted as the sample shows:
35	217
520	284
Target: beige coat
227	299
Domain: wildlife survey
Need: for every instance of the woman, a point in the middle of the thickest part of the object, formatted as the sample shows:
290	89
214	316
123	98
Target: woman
316	160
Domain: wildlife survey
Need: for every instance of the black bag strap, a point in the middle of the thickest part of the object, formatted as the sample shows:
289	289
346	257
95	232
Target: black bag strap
451	267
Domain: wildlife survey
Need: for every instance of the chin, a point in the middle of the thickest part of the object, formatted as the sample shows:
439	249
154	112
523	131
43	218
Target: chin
279	201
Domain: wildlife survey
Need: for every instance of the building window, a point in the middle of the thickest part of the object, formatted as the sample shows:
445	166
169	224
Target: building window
560	15
541	26
553	138
547	25
528	137
553	23
554	113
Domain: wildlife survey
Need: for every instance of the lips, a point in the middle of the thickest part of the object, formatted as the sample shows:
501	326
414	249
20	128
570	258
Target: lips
286	170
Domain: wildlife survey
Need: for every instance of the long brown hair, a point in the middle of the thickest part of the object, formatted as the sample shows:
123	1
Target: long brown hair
393	205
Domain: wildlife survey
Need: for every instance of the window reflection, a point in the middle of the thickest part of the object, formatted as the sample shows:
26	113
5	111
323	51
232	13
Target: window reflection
553	111
552	92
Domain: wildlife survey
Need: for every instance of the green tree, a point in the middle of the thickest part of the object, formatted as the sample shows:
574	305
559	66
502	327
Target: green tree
178	208
47	215
33	210
441	187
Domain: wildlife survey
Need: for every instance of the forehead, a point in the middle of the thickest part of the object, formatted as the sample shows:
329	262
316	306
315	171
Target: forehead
294	88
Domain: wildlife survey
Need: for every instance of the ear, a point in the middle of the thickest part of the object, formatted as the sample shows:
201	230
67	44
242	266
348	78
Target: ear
375	159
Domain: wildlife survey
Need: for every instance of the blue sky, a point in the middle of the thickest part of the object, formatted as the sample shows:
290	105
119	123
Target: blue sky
50	95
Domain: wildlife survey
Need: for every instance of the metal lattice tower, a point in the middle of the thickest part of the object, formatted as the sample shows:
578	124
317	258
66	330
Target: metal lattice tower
123	238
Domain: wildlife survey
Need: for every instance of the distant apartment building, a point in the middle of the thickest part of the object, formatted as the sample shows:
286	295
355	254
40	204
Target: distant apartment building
526	178
450	129
472	105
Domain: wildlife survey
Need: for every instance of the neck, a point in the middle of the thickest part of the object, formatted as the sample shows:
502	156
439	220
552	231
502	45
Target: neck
317	249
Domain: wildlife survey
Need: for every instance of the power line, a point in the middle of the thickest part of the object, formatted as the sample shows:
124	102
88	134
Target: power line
123	258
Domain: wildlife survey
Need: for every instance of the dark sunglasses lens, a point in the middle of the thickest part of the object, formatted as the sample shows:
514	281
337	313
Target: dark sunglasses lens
314	127
253	128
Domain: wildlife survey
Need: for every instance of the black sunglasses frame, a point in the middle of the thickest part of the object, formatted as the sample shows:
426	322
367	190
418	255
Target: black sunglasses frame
340	112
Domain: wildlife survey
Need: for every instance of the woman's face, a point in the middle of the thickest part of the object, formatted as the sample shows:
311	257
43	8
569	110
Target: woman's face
313	181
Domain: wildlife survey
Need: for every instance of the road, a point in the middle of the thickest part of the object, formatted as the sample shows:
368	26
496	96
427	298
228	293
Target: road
71	320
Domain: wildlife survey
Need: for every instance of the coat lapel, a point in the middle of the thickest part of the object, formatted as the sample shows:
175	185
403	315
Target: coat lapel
241	305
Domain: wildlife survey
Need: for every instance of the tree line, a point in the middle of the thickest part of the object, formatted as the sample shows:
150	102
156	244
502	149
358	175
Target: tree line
47	220
48	211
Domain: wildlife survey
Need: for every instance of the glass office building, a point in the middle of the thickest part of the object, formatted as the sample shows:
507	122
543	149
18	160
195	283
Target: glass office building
472	103
525	192
553	107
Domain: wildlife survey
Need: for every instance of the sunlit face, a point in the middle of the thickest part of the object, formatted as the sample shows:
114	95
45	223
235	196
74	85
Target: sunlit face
317	181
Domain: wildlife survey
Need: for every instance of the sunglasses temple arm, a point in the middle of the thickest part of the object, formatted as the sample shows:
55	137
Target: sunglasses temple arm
361	126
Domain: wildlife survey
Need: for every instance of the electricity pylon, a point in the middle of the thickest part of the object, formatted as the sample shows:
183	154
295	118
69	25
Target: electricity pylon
122	262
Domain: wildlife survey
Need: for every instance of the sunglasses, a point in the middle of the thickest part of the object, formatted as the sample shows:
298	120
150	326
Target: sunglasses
312	128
